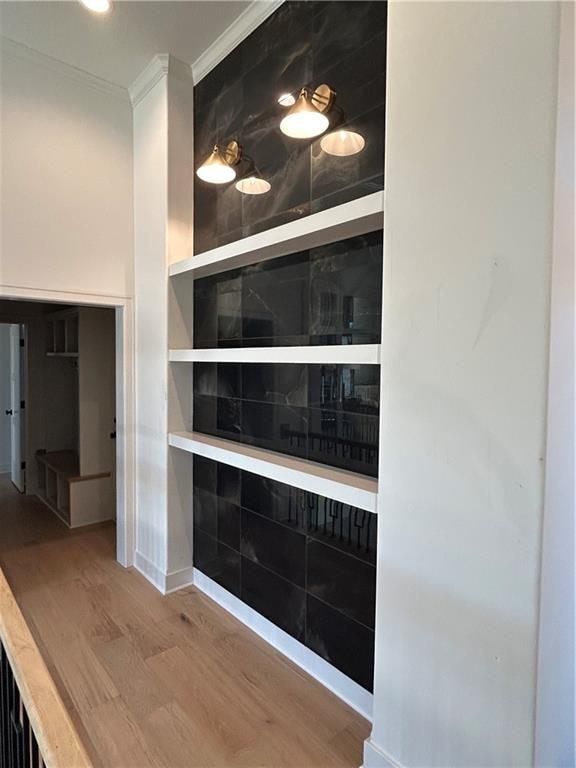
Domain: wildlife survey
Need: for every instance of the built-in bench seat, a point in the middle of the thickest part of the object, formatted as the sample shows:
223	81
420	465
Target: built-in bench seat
76	499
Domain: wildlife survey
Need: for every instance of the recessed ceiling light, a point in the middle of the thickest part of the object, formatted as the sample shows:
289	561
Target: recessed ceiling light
97	6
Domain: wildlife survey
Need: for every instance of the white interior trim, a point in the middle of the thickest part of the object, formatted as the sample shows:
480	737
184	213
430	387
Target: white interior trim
10	291
374	757
555	726
341	685
150	571
86	79
338	484
357	217
155	70
164	582
257	12
178	580
334	354
125	445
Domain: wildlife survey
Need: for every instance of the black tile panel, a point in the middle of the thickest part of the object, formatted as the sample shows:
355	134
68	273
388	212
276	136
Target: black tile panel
267	497
217	561
343	582
325	413
343	44
277	599
228	483
280	428
305	562
266	316
327	295
349	529
277	384
345	643
205	509
205	473
228	523
204	417
274	546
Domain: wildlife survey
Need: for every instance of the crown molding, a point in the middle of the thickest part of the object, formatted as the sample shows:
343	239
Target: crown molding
23	52
153	72
257	12
159	67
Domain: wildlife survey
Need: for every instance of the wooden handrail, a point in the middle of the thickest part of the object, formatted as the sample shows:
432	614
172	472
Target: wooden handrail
58	741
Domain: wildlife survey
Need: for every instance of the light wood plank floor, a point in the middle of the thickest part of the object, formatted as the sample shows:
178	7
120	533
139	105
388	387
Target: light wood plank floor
161	681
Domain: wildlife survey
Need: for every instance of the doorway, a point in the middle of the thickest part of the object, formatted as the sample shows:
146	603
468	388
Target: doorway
75	371
10	299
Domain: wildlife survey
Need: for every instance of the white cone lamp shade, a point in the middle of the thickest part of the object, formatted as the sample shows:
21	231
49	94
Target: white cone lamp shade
342	143
216	170
253	185
304	121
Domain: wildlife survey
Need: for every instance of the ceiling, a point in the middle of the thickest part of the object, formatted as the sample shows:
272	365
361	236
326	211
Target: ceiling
117	46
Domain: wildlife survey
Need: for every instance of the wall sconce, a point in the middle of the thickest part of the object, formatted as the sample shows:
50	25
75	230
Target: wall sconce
218	167
306	119
286	100
253	185
342	143
251	181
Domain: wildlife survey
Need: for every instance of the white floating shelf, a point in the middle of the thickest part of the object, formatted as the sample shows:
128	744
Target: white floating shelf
338	484
335	354
357	217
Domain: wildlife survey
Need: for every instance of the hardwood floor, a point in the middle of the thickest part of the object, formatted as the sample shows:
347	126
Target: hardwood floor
161	681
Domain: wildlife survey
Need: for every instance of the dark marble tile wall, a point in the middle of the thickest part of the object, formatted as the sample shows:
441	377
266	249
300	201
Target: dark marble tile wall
325	413
303	43
326	295
305	562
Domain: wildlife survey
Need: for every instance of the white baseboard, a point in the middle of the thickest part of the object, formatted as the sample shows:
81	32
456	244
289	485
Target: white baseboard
150	571
164	582
374	757
178	580
345	688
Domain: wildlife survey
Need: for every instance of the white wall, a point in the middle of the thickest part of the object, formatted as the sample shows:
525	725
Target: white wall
66	179
468	231
5	451
555	706
163	214
150	207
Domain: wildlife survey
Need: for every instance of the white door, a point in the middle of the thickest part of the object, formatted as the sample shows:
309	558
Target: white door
16	416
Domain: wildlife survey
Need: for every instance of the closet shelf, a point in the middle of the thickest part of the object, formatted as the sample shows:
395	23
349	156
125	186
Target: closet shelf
334	354
338	484
357	217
